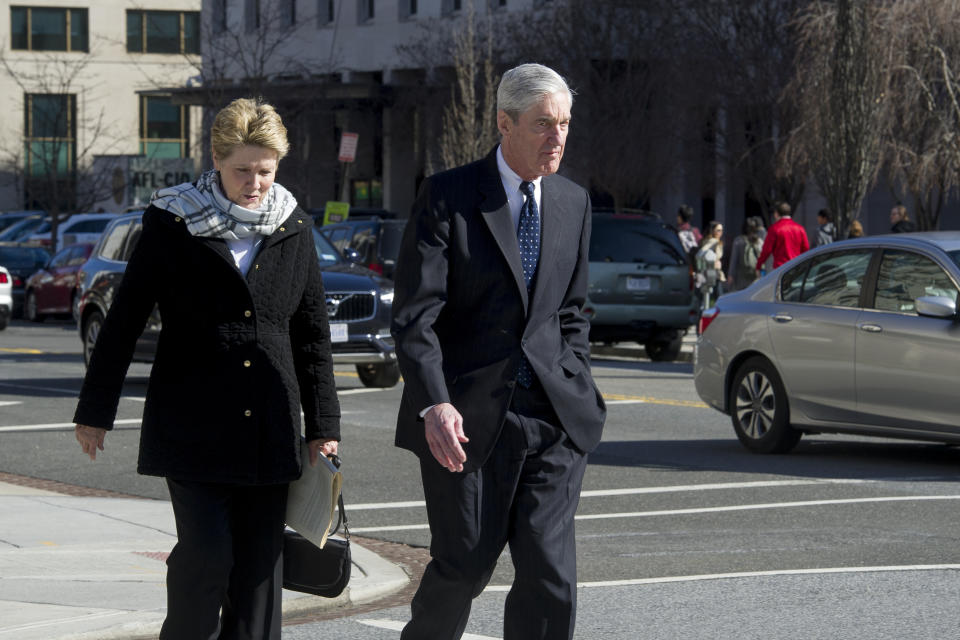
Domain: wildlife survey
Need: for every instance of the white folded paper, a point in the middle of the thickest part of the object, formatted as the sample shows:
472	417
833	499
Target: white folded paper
312	500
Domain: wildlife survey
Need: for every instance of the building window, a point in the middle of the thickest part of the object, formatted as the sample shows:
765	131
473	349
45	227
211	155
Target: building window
290	13
48	29
219	16
164	128
450	6
497	4
365	11
408	9
163	31
252	15
325	12
50	134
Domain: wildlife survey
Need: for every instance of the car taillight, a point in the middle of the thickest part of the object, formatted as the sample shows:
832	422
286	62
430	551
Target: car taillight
17	281
4	279
375	266
708	316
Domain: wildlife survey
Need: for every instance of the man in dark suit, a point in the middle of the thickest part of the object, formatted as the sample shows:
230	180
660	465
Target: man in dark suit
498	400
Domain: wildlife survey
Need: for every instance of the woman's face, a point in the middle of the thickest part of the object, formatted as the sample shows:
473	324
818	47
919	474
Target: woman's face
247	174
718	231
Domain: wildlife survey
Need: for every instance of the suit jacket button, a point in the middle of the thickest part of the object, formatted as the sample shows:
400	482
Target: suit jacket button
247	313
248	413
246	363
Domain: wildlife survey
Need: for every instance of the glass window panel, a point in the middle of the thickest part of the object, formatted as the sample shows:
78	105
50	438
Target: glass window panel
112	248
49	158
837	278
163	118
161	149
18	28
50	117
191	32
791	284
49	28
905	276
78	29
135	31
163	32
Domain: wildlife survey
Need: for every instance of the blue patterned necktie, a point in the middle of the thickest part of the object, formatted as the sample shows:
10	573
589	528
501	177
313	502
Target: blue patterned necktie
528	235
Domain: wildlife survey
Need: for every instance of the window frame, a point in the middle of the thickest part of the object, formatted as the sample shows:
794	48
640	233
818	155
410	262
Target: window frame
143	32
145	139
366	11
71	15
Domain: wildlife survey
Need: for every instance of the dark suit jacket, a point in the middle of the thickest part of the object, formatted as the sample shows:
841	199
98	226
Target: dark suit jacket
461	314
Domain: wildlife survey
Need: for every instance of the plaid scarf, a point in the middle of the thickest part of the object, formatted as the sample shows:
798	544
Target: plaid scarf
211	214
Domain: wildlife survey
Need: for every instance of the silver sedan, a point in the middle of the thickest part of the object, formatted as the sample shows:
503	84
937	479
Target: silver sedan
860	336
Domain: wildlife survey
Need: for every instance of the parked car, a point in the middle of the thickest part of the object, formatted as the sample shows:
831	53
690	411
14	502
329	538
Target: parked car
8	218
21	262
53	289
78	228
359	303
857	337
376	240
6	297
22	228
641	284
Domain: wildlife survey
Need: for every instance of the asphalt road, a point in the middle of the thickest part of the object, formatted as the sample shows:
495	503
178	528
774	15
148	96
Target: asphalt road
681	532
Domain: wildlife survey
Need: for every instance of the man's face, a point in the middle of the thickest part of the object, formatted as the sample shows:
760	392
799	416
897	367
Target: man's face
246	174
533	145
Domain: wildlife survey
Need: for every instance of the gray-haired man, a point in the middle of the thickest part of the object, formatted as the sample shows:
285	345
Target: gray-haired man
498	399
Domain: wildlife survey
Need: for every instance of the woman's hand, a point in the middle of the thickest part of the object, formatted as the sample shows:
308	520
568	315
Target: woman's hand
326	447
90	439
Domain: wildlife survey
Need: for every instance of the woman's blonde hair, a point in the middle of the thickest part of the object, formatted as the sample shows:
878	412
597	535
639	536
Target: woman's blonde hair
247	121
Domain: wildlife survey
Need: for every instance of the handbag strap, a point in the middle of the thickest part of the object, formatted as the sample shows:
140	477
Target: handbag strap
341	512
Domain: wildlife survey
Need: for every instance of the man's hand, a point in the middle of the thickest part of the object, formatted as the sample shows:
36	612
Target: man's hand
90	439
325	447
444	430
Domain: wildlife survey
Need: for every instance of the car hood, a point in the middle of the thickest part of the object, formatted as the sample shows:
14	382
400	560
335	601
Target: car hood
345	277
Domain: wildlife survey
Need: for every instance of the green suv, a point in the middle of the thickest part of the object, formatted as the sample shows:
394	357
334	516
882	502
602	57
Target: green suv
641	284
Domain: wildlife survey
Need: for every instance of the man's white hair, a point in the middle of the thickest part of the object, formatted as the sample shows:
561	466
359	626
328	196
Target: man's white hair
523	86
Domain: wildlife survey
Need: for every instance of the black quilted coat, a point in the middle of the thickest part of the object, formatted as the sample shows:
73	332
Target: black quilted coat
237	357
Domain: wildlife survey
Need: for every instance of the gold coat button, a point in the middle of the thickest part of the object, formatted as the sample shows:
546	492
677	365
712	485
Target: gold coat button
283	229
246	363
299	221
255	267
247	313
178	218
248	413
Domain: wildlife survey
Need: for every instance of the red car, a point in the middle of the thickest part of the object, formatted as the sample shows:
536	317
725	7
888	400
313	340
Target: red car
53	289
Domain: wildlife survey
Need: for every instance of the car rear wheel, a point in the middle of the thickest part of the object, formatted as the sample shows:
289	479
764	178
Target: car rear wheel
660	350
759	409
91	330
30	308
379	375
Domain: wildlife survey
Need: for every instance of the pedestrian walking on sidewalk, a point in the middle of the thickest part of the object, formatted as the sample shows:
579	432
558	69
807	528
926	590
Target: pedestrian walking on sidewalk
498	400
245	346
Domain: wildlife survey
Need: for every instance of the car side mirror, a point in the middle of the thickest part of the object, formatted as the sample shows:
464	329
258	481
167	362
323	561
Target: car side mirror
937	306
352	255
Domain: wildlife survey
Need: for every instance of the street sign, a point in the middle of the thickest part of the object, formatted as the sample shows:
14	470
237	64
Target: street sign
335	212
348	147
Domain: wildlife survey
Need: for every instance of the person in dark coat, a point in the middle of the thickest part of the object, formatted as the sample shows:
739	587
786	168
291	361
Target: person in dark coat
900	220
244	347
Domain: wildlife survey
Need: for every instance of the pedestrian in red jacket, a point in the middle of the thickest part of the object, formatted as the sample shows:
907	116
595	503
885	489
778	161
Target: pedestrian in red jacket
785	239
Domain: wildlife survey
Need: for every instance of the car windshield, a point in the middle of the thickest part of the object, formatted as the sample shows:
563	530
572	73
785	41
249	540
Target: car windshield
618	240
390	239
955	256
327	254
20	257
20	229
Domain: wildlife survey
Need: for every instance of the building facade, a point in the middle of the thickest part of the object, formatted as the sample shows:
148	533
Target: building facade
81	86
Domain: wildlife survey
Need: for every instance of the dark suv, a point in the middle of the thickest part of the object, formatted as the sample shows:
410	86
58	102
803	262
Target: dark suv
641	284
358	303
376	239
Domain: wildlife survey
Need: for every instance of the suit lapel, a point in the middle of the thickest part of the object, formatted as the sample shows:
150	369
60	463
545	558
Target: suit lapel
496	213
551	214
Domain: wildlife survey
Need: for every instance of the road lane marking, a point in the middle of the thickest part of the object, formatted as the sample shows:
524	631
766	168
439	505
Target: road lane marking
618	398
396	625
7	403
33	352
68	426
600	493
751	574
698	510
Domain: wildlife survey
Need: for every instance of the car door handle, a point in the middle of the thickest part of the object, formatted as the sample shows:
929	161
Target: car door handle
782	317
872	328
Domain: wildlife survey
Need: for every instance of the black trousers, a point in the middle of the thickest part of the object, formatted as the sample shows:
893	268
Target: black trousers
224	575
525	495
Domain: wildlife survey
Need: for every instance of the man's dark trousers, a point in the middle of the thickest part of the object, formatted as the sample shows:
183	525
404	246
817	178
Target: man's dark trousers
525	495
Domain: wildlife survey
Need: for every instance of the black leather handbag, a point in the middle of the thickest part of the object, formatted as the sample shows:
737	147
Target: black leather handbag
309	569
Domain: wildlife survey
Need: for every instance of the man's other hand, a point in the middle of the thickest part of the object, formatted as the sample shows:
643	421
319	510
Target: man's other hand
444	431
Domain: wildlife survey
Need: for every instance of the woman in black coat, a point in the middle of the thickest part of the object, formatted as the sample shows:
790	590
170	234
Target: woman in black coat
244	347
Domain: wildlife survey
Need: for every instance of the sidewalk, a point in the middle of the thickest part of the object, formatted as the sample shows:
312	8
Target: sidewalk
85	568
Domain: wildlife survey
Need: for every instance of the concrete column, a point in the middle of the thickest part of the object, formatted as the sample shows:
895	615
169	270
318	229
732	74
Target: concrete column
399	161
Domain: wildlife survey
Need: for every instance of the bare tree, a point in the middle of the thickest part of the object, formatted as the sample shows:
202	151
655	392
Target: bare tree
841	89
923	143
52	163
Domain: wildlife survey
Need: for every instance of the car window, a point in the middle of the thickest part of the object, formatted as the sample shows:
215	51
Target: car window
78	255
112	247
365	243
340	237
88	226
23	257
627	241
62	258
327	254
835	279
905	276
136	227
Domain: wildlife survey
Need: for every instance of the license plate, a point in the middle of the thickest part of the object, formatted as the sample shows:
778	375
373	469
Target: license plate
338	332
638	284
